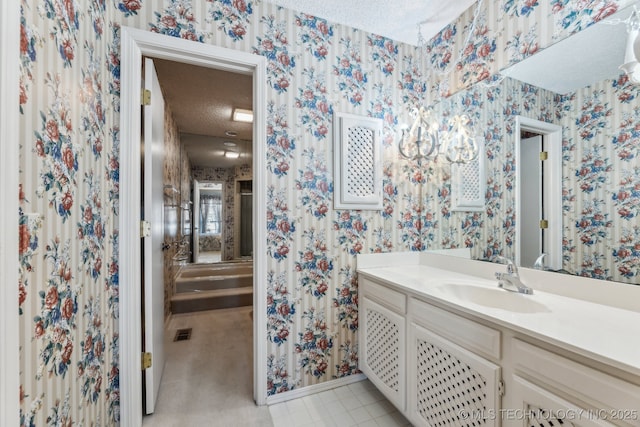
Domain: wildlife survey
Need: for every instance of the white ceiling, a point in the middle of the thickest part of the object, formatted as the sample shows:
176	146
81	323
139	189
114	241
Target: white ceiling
202	101
394	19
587	57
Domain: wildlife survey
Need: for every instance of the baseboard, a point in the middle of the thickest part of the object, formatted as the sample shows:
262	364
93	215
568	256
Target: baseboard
314	389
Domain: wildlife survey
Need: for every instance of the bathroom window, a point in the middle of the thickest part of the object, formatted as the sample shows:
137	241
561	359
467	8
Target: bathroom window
210	213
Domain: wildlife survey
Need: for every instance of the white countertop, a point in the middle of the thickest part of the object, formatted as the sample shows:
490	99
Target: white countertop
604	333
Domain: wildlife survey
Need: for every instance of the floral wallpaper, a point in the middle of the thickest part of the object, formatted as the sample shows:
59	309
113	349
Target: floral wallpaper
176	161
69	176
601	188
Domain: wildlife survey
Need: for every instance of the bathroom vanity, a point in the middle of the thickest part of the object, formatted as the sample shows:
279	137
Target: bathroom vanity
449	348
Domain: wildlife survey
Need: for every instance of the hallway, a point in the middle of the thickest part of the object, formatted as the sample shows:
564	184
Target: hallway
208	379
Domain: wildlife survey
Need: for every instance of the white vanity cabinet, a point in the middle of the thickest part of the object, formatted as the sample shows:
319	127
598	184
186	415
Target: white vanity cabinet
382	338
443	365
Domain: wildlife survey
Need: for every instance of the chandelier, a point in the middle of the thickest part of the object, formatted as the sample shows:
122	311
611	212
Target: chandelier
421	139
424	140
459	144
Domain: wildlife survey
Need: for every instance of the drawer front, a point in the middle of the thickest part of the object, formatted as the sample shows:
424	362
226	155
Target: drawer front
579	382
389	298
467	333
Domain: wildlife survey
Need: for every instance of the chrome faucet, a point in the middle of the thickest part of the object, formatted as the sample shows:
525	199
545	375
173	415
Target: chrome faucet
510	281
539	263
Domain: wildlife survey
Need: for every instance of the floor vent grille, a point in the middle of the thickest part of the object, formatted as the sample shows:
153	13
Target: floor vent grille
183	334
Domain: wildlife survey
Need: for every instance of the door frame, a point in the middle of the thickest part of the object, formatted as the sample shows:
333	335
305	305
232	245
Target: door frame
552	136
135	44
195	229
9	241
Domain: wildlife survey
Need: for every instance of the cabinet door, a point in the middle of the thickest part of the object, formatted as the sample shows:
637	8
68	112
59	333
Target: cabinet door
382	344
537	407
449	385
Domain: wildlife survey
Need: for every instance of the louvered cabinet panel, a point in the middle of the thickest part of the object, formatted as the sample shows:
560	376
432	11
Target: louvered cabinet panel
450	386
357	157
382	347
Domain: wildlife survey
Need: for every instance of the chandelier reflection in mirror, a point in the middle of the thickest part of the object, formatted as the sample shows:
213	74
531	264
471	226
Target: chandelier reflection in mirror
458	143
421	139
424	140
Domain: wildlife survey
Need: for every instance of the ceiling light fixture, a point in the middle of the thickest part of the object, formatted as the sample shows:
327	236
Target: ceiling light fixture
242	115
231	154
421	139
231	133
229	144
424	140
458	143
630	66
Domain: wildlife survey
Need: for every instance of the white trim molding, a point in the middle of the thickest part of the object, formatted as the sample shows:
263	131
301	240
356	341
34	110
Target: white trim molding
314	389
135	44
552	179
9	181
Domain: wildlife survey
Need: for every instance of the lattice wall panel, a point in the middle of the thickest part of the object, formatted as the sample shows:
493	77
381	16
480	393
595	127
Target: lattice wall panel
360	162
470	188
357	162
383	355
468	184
448	388
537	417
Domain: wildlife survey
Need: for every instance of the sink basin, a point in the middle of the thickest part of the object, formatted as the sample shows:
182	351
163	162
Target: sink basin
495	298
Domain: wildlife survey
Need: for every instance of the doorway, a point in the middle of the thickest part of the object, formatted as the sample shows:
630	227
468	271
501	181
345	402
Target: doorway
134	45
538	158
208	227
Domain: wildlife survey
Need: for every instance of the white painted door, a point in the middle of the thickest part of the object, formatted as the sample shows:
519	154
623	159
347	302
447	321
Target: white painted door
530	244
196	220
153	212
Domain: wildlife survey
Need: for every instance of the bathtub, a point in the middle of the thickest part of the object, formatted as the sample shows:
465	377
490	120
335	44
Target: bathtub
209	277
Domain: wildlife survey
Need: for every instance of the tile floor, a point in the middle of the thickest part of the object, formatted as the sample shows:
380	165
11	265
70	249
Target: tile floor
358	404
208	382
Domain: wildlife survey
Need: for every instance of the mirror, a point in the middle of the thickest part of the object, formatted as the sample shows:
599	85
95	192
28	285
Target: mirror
575	84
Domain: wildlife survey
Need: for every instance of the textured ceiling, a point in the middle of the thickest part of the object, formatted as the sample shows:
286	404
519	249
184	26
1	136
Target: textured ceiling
395	19
587	57
202	101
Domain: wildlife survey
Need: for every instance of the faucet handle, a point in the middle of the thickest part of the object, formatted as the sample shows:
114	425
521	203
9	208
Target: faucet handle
511	266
